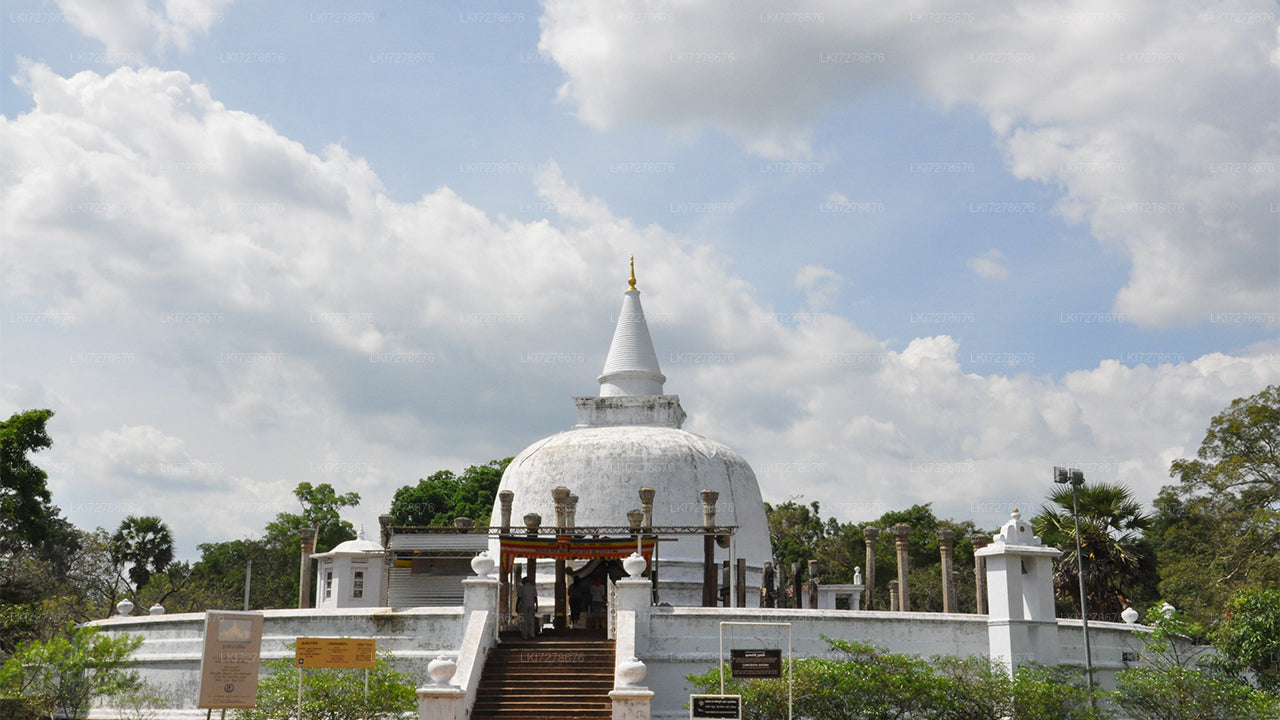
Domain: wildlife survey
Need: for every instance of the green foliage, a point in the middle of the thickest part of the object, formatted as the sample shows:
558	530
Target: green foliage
1249	639
1058	692
444	496
1119	563
218	577
320	510
1218	530
1176	683
145	544
860	682
66	673
24	496
332	694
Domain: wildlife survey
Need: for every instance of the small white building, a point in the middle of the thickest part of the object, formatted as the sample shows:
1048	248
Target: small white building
350	575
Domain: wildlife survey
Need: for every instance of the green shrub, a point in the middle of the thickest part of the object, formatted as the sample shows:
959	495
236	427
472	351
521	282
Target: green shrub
65	674
332	694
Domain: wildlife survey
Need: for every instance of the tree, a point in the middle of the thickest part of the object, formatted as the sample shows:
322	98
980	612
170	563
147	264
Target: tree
1177	684
25	511
444	496
218	576
145	544
1119	564
1249	638
1217	531
320	509
63	675
330	694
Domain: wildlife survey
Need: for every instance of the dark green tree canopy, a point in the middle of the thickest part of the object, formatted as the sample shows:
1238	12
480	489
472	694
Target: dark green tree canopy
1217	531
321	506
444	496
145	545
25	510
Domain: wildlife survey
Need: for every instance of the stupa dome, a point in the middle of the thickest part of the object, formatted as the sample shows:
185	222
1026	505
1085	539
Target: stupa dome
630	437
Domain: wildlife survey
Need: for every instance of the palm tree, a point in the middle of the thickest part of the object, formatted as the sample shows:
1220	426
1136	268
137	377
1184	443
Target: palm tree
1118	562
146	544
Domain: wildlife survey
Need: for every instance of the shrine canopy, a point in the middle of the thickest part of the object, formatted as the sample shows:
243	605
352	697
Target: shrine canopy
565	547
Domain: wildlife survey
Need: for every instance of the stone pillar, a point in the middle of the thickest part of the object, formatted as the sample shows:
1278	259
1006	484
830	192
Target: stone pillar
504	573
532	521
813	585
870	534
307	548
893	596
1021	625
646	506
740	590
769	590
560	495
946	544
979	541
710	591
797	585
571	511
388	559
901	539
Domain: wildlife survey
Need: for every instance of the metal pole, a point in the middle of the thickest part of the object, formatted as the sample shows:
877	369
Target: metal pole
1084	607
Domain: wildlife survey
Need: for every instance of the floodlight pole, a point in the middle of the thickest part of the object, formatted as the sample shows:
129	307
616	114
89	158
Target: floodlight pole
1076	479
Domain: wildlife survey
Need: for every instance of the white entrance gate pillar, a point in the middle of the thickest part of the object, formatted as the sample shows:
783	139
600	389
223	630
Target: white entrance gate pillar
1021	623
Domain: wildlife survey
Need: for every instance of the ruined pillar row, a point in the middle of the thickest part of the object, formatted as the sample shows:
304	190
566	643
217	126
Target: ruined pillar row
901	539
946	546
871	533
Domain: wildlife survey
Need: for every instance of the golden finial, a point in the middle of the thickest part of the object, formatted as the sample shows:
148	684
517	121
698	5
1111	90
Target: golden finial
631	282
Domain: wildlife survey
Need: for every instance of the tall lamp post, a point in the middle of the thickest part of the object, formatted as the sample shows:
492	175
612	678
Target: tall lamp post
1075	477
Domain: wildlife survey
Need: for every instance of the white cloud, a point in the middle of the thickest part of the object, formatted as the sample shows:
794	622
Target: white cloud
132	30
990	265
285	317
820	286
1156	120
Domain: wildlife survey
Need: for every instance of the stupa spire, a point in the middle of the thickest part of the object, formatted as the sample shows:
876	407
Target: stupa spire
631	369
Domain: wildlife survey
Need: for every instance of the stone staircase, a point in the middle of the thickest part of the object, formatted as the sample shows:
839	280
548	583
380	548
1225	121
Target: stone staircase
554	677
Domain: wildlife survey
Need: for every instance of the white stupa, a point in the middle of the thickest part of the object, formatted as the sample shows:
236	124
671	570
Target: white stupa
630	437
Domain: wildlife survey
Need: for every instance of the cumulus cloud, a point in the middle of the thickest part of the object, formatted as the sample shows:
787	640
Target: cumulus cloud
132	30
293	322
1155	121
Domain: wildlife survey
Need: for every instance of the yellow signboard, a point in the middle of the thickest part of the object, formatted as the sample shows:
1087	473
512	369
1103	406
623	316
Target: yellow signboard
229	664
335	653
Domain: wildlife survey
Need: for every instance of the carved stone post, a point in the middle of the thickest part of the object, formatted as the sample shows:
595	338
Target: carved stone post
571	511
560	495
307	547
901	539
532	521
646	506
813	585
893	596
870	534
388	558
946	544
710	590
504	573
769	589
979	540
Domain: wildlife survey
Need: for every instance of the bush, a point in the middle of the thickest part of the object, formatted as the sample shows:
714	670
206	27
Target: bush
65	674
332	694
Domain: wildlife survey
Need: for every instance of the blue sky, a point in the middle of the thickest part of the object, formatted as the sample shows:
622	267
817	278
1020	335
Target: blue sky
890	255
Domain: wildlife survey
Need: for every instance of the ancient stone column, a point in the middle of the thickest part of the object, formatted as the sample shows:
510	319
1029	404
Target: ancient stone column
710	591
504	573
769	590
813	585
894	605
797	585
979	540
646	506
560	495
870	534
307	546
532	521
946	544
571	511
388	559
901	538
